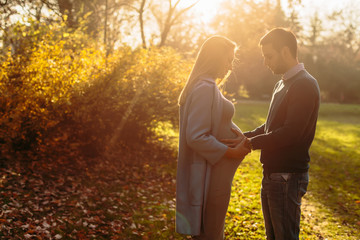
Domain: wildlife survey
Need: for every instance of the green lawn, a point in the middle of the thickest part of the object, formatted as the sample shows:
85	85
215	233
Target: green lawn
331	207
131	193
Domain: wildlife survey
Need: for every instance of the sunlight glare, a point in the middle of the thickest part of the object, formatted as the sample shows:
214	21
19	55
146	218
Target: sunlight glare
205	9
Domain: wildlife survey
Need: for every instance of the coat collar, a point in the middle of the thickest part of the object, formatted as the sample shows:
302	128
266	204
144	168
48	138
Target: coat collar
207	78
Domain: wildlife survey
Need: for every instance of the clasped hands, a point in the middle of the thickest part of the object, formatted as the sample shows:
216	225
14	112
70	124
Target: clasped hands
239	147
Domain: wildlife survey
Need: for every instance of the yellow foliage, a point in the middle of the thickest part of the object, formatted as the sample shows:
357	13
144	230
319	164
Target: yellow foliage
38	81
58	89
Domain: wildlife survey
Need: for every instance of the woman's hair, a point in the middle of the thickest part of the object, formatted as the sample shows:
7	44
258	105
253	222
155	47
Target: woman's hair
279	38
208	62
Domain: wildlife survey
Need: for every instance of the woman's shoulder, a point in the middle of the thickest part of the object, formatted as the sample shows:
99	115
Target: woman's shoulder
207	79
204	85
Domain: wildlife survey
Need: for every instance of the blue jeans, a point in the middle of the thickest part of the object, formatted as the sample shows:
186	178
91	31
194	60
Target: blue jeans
281	195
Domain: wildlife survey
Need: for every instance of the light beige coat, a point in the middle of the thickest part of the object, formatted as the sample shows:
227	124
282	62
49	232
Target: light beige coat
199	149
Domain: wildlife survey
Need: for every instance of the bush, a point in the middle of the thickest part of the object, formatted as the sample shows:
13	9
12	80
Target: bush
127	104
60	98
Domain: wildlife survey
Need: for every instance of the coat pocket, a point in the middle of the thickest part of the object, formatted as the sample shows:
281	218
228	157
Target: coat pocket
197	183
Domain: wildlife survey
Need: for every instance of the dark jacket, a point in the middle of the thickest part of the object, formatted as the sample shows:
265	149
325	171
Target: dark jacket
289	130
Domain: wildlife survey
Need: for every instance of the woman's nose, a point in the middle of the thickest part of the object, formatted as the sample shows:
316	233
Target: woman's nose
266	62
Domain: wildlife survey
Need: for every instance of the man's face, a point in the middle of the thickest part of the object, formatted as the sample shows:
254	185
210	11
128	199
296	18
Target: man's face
273	59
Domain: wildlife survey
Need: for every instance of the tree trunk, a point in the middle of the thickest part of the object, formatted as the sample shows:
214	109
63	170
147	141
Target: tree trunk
141	20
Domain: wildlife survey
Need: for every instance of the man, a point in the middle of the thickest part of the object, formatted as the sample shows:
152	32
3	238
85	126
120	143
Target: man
286	136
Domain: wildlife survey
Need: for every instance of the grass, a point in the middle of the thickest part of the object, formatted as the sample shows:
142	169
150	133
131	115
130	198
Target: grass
331	207
132	194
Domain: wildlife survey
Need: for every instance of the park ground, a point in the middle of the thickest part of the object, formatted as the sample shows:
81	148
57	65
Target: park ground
130	194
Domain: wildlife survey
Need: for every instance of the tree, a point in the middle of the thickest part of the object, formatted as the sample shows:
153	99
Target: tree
169	18
246	22
19	10
293	16
339	72
141	21
316	29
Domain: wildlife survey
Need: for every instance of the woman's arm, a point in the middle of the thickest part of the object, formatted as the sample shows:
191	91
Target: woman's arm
199	122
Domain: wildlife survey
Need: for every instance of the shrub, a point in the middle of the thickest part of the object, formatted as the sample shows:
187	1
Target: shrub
61	98
127	104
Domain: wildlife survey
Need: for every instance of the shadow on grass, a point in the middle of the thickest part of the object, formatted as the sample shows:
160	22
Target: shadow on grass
334	172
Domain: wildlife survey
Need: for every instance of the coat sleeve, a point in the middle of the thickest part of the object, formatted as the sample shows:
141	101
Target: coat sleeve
199	122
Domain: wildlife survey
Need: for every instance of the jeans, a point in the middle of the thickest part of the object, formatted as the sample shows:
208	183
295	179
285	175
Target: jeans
281	195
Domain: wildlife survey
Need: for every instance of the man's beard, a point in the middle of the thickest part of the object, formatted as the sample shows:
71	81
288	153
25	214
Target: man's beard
280	68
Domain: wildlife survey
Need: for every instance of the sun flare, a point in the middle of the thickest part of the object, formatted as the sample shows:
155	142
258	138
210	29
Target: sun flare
205	8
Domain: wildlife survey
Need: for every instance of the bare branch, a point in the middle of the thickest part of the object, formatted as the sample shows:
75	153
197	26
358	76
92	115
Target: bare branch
3	4
141	20
131	7
171	19
182	11
176	4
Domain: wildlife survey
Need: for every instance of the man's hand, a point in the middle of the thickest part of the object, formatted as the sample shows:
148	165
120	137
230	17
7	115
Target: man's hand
233	142
239	151
247	144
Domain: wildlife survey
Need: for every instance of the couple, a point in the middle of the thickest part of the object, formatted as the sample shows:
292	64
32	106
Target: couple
211	146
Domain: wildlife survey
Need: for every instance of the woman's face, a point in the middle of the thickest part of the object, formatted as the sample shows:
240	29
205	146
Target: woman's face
226	64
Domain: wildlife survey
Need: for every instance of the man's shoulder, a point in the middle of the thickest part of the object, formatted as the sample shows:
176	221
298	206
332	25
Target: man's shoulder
305	78
305	82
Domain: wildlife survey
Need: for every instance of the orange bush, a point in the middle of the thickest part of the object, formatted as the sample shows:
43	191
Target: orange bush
59	97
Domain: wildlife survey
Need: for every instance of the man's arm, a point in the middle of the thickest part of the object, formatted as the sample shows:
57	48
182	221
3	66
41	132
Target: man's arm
240	137
257	131
303	101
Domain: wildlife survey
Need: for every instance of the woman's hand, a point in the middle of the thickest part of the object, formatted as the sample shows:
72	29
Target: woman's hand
233	142
239	151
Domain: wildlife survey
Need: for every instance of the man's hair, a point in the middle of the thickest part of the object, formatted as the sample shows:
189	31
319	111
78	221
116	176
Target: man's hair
279	38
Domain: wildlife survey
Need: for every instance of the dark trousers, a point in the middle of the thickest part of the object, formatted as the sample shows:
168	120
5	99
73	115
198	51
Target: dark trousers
281	195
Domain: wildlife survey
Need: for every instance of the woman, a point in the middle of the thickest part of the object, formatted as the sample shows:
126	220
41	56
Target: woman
206	166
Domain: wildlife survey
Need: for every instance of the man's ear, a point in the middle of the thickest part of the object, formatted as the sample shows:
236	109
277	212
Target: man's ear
285	52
